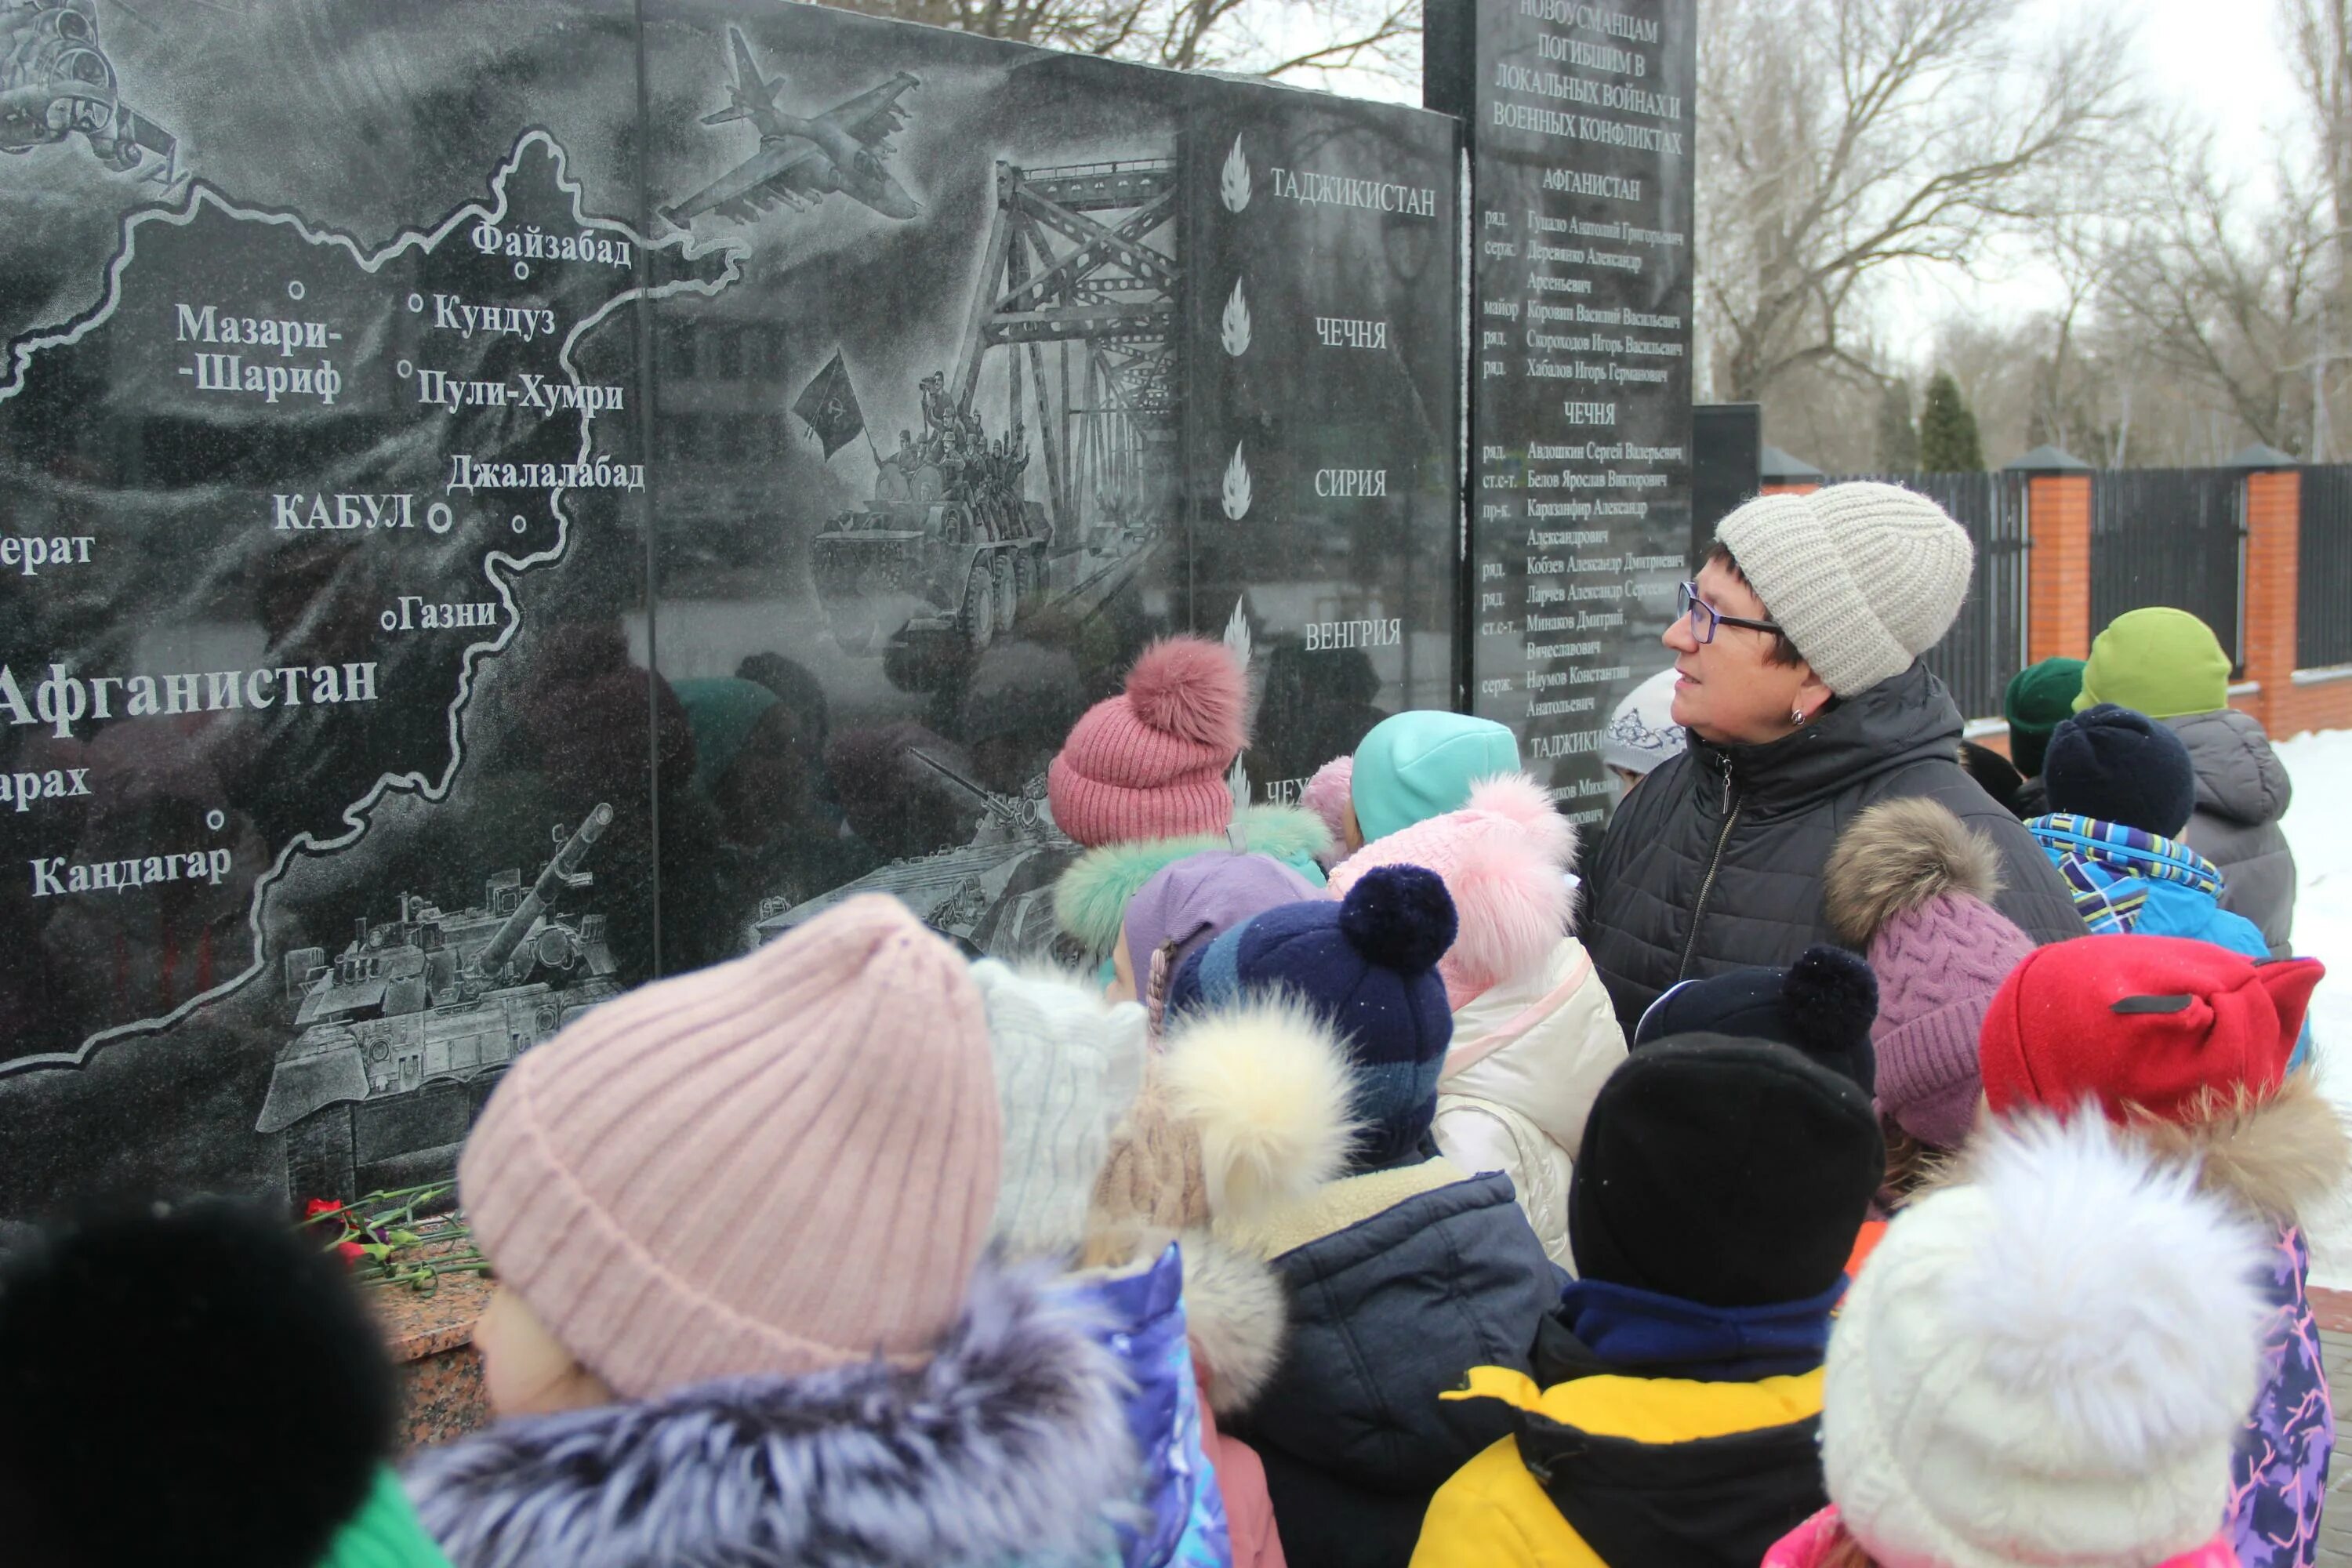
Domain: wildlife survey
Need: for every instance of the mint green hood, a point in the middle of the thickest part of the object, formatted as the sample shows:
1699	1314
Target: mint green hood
1419	764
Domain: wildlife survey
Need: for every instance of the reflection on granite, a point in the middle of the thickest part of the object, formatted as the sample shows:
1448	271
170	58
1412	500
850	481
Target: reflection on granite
431	1337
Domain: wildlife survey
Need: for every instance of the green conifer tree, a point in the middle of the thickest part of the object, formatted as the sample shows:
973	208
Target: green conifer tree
1948	443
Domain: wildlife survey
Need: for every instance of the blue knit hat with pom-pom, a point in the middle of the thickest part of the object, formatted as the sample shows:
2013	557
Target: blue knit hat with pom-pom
1367	965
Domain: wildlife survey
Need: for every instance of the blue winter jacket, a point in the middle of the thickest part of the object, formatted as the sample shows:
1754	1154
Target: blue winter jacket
1182	1523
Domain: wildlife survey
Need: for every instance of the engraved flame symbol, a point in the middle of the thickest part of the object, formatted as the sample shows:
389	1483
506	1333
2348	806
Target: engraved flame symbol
1237	486
1237	322
1235	184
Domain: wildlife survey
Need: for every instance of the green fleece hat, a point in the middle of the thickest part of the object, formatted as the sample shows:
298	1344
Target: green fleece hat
2160	662
2039	696
1421	765
722	712
385	1533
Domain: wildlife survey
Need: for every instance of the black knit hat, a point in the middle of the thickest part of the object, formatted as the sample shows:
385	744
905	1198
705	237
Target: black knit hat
1822	1004
181	1384
1723	1171
2117	766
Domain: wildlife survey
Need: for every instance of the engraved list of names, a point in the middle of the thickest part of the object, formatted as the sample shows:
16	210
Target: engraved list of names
1580	168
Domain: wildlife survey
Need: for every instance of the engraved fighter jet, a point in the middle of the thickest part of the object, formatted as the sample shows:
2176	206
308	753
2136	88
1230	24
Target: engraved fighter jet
800	160
56	83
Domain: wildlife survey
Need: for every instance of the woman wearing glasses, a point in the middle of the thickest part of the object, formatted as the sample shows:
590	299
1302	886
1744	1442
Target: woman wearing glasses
1797	658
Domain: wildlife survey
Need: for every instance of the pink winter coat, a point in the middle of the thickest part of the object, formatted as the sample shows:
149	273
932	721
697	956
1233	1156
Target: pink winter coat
1249	1510
1809	1546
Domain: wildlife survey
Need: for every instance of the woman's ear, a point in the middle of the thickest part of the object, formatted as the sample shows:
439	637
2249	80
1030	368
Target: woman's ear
1812	696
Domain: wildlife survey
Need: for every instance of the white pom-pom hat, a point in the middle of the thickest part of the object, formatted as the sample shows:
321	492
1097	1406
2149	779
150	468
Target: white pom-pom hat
2048	1365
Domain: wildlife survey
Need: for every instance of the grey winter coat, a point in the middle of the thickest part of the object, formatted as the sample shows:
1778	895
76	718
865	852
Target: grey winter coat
1388	1311
1715	863
2241	792
1007	1449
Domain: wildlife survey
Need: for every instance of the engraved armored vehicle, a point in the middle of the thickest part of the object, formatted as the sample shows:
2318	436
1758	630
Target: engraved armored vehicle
992	897
948	547
403	1035
56	83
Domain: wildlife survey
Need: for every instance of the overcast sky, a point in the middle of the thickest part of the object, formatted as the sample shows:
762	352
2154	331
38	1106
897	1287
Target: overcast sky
2221	57
2224	60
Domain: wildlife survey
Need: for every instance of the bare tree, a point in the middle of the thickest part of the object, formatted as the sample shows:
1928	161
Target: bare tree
1839	138
2318	35
1280	38
2228	295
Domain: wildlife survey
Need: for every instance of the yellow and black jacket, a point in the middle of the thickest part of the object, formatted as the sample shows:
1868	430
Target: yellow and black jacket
1621	1471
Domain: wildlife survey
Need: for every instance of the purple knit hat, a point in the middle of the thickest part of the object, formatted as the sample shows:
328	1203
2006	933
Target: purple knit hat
1913	887
1193	901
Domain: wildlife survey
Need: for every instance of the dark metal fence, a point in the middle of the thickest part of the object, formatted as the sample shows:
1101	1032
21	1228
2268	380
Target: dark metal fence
1987	644
2172	536
2323	587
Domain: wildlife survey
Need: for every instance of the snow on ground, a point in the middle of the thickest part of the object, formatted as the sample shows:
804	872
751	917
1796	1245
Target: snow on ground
2319	826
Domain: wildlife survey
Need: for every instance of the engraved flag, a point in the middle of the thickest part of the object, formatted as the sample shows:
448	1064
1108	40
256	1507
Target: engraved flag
828	405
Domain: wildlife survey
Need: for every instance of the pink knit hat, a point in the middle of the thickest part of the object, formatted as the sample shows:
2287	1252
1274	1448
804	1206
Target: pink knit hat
781	1163
1150	762
1501	858
1912	887
1327	797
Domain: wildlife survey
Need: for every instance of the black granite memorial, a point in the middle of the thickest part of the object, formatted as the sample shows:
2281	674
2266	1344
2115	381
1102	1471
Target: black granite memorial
495	512
1582	158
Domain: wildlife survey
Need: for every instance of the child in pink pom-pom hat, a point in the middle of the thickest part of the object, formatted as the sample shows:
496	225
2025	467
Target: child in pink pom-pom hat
1150	762
1327	797
1534	1035
1143	782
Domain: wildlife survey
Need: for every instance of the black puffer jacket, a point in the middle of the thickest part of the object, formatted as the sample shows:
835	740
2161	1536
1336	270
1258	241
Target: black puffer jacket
1715	863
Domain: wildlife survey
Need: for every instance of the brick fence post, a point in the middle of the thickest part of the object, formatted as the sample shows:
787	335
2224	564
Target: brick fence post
2273	517
2058	572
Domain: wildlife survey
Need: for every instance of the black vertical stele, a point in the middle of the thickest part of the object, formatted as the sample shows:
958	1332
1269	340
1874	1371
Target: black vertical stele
1580	130
614	481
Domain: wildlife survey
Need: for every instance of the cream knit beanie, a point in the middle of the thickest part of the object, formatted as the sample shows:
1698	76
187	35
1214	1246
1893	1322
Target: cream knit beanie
771	1166
1864	577
1068	1067
2047	1364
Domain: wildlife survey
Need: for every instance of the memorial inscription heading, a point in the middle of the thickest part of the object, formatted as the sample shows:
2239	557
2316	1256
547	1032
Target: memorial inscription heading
1579	491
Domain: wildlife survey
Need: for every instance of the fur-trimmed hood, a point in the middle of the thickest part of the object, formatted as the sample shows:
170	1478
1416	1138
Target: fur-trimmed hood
1009	1446
1503	859
1265	1087
1238	1315
1091	899
1247	1113
2282	1158
2279	1158
1896	857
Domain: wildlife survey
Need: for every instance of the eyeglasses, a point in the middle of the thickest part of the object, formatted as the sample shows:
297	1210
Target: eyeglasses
1705	618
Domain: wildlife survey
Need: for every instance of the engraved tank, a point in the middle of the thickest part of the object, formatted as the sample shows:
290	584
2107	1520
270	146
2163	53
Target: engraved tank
400	1038
992	897
948	547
